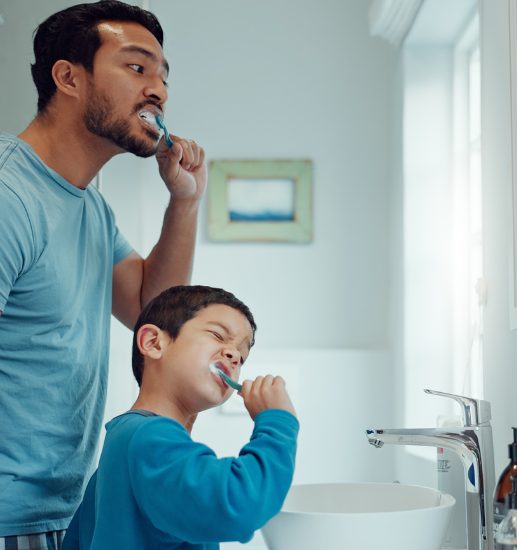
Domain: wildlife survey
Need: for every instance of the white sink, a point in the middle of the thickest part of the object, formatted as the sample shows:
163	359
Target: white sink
360	516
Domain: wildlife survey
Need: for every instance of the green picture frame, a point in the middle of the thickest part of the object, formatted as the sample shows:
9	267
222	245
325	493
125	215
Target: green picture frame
239	192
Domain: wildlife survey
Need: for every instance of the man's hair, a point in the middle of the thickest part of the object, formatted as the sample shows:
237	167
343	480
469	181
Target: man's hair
72	34
171	309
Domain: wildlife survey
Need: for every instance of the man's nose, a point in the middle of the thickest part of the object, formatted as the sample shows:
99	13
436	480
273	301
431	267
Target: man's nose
157	90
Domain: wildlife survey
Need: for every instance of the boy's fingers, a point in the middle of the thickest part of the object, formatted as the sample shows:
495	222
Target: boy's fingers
278	381
246	386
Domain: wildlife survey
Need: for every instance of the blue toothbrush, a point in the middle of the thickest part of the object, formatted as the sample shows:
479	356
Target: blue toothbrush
225	377
166	135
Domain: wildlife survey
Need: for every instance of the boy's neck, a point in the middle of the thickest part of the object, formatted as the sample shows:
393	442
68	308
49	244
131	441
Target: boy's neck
163	407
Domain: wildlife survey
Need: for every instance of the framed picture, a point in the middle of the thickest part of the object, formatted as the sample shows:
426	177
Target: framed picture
260	200
512	7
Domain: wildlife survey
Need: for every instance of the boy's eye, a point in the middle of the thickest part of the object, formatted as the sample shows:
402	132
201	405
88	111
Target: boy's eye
217	335
136	67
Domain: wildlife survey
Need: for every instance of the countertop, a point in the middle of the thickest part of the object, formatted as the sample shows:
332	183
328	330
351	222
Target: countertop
257	543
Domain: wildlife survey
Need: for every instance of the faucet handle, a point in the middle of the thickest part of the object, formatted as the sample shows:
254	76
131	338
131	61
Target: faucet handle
475	411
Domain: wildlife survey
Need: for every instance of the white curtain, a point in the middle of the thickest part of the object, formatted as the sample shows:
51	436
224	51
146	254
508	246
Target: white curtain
392	19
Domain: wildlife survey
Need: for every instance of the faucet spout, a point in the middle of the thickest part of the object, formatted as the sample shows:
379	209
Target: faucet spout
473	444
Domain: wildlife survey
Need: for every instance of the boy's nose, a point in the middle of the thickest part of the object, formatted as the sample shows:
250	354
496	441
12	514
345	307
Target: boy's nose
233	356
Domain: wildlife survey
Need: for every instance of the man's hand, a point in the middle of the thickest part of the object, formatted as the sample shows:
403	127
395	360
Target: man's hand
267	392
182	168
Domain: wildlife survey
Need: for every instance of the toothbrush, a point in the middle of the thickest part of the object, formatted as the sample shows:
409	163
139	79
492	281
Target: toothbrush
166	135
225	377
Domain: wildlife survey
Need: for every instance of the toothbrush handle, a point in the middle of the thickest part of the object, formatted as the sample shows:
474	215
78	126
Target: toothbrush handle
229	381
168	139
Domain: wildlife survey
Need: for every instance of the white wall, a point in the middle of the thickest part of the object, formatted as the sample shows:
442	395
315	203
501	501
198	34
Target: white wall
18	98
500	343
291	80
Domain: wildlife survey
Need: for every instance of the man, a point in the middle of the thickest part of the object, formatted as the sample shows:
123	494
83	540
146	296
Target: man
64	267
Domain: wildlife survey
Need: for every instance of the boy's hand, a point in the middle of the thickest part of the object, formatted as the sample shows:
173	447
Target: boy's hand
266	392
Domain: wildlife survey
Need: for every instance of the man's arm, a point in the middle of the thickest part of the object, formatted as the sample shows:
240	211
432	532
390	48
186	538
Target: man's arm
135	280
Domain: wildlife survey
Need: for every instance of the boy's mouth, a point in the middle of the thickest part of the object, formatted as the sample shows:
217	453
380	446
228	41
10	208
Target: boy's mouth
218	378
224	368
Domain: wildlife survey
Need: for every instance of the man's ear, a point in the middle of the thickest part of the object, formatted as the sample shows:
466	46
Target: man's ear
151	341
68	77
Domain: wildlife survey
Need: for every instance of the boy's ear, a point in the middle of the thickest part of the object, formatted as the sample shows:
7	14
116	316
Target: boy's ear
151	341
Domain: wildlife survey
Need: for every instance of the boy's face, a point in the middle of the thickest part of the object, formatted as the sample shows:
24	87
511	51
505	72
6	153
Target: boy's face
217	334
129	79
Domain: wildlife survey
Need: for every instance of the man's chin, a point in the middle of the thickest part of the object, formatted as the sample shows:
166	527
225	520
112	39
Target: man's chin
139	147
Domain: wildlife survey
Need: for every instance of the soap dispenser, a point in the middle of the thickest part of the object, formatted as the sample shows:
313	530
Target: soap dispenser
504	488
506	536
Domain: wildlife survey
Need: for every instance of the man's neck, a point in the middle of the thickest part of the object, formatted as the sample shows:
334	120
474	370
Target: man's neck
68	148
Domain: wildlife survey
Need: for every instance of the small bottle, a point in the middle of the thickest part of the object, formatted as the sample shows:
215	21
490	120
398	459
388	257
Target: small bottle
504	488
507	532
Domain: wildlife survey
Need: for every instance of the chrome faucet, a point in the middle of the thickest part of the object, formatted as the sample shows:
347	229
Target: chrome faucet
472	442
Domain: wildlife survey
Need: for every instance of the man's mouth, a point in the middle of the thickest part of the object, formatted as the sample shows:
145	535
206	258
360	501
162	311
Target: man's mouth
149	119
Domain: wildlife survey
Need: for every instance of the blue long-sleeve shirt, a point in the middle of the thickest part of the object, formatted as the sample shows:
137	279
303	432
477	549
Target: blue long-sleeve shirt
156	488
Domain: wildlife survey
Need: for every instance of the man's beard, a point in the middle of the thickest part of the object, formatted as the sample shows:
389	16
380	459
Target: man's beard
117	130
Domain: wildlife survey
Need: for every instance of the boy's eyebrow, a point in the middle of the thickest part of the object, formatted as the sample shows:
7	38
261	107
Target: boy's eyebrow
227	330
147	53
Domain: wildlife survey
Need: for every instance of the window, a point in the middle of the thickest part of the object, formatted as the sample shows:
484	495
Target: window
443	284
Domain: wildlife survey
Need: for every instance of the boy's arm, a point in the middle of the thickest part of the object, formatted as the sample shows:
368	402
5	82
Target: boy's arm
186	491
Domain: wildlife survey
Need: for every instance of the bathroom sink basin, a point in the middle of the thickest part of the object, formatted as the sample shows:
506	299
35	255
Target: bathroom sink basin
365	516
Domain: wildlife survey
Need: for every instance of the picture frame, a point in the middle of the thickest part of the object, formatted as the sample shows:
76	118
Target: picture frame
512	263
260	200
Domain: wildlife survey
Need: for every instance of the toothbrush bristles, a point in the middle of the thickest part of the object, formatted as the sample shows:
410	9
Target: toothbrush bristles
225	377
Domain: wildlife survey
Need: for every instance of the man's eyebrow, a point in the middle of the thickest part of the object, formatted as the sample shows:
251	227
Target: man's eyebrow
147	53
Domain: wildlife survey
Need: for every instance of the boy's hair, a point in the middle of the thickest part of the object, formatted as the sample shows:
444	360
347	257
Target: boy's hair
171	309
72	34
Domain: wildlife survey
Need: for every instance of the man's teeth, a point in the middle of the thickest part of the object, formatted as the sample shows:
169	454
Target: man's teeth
149	117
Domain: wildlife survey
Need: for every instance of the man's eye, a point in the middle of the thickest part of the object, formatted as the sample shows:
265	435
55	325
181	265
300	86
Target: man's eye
217	335
137	68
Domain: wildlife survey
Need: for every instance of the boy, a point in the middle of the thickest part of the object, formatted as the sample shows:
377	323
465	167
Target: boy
157	488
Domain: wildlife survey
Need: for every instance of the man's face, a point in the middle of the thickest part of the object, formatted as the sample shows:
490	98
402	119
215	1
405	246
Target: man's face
127	88
217	334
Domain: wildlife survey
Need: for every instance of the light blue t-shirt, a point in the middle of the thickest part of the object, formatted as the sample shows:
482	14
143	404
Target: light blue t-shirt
58	245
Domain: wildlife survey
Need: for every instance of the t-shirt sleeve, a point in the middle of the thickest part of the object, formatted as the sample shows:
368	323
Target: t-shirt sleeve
186	491
17	242
121	247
